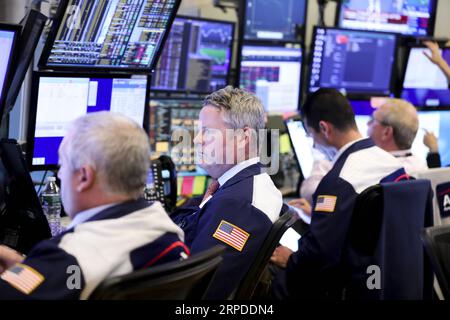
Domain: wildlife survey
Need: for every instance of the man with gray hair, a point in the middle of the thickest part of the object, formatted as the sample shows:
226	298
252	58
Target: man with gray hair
241	204
104	160
393	127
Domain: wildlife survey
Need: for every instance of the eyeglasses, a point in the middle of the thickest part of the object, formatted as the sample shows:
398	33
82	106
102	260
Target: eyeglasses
383	123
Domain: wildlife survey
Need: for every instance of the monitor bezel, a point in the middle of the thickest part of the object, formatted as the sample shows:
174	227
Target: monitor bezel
33	109
430	29
292	144
275	44
11	66
357	95
403	76
46	52
243	17
228	78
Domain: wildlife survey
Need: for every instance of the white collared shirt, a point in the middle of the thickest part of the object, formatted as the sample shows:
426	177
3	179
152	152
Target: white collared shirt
345	147
230	173
85	215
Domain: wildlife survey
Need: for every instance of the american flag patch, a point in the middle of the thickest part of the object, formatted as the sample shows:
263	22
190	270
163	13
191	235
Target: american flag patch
231	235
23	278
325	203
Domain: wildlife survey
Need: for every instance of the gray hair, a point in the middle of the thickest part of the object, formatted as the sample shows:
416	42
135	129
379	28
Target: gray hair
402	117
241	108
115	146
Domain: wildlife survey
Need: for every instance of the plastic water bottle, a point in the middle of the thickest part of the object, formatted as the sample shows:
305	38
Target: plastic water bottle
51	205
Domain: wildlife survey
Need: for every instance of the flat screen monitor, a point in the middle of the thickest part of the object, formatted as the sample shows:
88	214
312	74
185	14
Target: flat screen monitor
170	121
8	40
196	56
110	35
302	145
273	73
408	17
282	20
27	43
437	122
359	63
59	99
424	84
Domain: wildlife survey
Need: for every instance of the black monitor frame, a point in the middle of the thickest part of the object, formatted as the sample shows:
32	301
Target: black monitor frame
23	224
33	109
349	94
28	41
242	18
274	44
430	30
403	76
228	78
46	52
11	64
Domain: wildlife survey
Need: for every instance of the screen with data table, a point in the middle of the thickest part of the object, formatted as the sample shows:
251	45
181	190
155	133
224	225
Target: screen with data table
116	34
356	62
57	100
196	56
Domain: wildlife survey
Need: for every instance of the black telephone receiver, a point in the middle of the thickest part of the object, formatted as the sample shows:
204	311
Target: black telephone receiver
162	183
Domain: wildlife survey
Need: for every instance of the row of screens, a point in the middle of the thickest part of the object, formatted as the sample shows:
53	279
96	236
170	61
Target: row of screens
284	20
437	122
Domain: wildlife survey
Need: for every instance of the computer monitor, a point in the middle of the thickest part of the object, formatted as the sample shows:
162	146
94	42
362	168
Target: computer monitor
108	35
8	40
424	84
360	63
58	99
282	20
437	122
170	121
27	43
196	56
302	145
22	221
273	73
408	17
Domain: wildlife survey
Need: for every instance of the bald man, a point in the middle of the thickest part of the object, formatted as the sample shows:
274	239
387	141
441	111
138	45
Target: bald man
393	127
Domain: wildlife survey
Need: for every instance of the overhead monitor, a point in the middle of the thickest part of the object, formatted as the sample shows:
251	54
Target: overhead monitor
359	63
172	120
196	56
408	17
8	39
57	100
27	43
424	84
273	73
119	35
282	20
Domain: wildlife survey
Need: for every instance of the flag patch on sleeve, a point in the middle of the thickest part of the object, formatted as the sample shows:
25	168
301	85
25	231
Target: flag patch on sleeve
231	235
325	203
23	278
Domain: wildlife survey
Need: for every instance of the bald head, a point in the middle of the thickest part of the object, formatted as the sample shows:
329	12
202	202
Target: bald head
402	117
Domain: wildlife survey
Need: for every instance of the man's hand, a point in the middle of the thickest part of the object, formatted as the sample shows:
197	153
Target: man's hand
302	204
430	140
8	258
435	56
281	256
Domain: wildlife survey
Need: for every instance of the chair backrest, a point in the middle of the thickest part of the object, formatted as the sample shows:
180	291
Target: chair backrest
440	182
248	284
177	280
385	232
437	245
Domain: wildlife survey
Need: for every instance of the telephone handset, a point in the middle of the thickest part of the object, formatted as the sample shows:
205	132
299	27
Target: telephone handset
162	183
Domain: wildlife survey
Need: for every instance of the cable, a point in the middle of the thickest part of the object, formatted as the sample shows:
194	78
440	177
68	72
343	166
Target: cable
42	182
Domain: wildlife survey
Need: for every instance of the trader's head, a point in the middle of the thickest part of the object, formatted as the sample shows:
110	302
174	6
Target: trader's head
329	119
104	158
394	125
230	121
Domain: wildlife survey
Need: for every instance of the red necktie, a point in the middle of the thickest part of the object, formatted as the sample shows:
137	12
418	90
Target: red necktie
213	186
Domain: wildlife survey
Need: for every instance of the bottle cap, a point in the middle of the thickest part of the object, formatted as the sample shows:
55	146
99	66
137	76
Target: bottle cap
51	179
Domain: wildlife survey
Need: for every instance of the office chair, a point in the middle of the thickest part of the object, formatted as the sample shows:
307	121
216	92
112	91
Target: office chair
177	280
250	281
385	231
436	241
